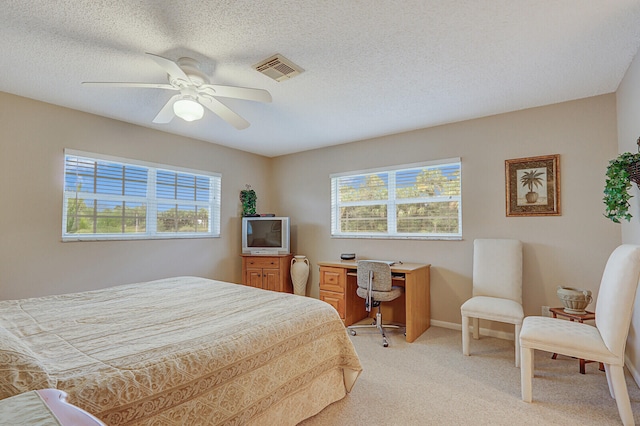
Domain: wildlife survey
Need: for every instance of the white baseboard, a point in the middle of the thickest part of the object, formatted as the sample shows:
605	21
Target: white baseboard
634	372
510	336
483	331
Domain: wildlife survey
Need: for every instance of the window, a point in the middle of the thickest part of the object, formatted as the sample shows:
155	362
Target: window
411	201
107	198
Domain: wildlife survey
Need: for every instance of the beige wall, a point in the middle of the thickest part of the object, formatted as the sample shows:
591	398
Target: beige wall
628	103
34	261
567	250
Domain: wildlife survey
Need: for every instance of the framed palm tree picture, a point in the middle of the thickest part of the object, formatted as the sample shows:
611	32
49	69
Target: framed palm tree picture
533	186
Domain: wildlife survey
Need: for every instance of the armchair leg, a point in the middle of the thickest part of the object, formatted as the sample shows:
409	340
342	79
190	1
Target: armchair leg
465	335
621	394
517	341
476	328
607	372
526	373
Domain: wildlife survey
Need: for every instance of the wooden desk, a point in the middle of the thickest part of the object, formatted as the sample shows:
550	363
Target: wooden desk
338	284
587	316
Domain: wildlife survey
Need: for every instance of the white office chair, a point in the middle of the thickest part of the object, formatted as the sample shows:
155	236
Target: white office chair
497	288
605	342
375	286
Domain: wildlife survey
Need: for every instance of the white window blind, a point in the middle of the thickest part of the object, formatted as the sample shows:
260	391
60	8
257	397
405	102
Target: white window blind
112	198
420	200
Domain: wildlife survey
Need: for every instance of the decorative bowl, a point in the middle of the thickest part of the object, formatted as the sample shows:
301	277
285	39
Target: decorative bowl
574	300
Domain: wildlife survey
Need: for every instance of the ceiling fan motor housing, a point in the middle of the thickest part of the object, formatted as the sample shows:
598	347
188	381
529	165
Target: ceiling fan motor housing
191	68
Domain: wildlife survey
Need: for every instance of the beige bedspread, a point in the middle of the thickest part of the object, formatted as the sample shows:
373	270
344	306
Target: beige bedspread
180	351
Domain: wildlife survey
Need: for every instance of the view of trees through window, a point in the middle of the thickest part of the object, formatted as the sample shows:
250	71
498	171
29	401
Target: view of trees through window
183	219
87	216
107	218
420	201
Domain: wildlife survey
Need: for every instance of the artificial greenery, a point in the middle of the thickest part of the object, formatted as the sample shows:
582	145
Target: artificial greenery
616	189
248	198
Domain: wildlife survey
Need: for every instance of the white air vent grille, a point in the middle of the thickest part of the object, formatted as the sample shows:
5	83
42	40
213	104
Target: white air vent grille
278	68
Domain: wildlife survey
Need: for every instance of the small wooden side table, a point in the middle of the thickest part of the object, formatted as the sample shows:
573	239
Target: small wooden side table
575	317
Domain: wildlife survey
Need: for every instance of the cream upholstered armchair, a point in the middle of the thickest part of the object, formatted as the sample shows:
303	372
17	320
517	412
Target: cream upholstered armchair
605	342
497	288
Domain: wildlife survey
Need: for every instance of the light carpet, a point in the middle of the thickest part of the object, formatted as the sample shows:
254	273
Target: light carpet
430	382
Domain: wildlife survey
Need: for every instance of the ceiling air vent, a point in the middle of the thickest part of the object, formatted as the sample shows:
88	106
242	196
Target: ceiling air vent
278	68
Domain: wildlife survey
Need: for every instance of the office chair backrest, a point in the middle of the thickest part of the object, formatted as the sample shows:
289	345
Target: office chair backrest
497	268
381	275
616	296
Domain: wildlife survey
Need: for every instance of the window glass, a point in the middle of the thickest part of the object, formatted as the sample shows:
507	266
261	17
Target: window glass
411	201
112	198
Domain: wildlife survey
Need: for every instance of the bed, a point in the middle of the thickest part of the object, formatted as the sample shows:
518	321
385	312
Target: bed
183	350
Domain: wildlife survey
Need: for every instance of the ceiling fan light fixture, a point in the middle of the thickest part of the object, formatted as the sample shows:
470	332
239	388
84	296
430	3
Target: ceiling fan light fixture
188	109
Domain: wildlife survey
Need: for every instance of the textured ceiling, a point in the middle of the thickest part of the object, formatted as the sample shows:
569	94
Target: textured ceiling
372	67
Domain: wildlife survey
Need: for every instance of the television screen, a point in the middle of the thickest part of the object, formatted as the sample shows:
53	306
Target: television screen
264	233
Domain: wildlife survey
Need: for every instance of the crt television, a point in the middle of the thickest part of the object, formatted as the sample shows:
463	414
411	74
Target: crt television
265	235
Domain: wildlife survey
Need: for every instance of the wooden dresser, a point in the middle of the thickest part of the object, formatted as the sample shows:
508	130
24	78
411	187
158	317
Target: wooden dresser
268	272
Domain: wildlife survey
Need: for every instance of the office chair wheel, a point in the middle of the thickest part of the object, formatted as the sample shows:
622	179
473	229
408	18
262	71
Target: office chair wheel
352	332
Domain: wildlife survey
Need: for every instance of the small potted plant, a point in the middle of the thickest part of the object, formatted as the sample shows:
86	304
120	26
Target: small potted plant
248	199
622	170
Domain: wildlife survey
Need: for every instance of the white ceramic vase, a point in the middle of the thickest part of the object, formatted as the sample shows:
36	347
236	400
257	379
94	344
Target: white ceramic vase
300	274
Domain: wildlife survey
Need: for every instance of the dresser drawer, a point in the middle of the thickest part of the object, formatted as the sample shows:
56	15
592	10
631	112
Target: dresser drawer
336	300
332	279
263	262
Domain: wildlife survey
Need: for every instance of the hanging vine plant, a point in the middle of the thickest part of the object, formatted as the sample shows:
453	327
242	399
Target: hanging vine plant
622	170
248	199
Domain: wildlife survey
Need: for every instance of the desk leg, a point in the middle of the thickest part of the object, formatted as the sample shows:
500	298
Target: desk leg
417	295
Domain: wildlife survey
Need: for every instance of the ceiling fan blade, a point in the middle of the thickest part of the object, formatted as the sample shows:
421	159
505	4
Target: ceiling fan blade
166	114
223	112
125	84
259	95
170	67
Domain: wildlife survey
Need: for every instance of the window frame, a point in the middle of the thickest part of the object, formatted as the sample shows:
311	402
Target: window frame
391	202
150	200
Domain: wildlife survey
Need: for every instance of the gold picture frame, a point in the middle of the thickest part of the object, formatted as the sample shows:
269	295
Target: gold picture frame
533	186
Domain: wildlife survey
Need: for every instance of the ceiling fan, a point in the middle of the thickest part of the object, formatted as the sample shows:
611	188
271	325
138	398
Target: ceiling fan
196	92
